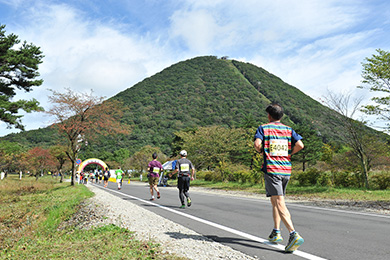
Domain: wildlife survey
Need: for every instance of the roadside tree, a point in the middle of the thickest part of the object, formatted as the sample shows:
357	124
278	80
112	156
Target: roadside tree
376	77
313	145
139	160
355	134
208	146
18	71
10	154
83	116
59	153
40	161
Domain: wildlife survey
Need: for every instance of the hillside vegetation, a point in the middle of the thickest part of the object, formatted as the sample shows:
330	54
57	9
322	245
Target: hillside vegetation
202	91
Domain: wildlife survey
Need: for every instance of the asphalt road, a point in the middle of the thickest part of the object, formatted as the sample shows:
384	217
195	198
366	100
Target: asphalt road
245	223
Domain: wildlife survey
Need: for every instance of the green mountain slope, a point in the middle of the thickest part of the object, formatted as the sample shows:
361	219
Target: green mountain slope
201	91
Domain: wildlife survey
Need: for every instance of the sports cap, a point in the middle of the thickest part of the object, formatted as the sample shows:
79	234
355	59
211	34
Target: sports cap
183	153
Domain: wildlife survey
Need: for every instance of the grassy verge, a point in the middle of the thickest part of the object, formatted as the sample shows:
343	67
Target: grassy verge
308	192
31	211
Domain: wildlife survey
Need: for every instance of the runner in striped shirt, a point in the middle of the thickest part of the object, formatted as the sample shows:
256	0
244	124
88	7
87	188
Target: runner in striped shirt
277	142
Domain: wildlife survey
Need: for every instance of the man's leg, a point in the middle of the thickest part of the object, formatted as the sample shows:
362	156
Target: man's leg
157	190
280	212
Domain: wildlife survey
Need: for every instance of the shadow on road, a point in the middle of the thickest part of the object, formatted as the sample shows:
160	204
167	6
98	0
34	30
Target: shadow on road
225	240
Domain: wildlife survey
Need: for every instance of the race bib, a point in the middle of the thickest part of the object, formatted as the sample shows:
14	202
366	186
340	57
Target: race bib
185	167
278	147
156	169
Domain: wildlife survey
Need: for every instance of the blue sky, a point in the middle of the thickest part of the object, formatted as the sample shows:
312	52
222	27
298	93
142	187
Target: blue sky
110	45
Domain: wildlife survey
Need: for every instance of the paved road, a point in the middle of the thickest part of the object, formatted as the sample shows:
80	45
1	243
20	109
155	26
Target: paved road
244	224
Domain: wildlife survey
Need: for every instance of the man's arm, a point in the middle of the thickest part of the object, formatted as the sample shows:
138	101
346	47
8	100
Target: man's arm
258	144
174	172
297	147
193	174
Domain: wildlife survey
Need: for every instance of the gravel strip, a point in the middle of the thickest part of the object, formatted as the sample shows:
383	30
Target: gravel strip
105	208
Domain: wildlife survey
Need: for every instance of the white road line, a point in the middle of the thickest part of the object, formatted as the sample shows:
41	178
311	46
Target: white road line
228	229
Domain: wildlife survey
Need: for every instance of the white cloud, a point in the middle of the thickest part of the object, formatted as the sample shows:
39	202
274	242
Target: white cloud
313	45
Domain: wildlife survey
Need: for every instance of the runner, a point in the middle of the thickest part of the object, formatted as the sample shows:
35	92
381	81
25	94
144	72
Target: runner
184	168
106	177
86	176
119	177
100	176
154	169
277	142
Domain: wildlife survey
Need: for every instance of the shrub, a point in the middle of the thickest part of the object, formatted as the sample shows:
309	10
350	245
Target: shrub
380	180
232	172
345	179
325	179
257	177
208	175
306	178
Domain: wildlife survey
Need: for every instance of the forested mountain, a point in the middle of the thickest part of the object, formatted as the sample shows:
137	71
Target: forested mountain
201	91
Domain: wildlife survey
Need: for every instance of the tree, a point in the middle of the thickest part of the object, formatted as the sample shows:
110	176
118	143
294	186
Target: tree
40	160
59	152
121	154
207	146
354	133
141	158
313	145
10	152
18	70
376	77
80	116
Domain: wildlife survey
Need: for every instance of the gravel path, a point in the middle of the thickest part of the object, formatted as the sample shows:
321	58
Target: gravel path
105	208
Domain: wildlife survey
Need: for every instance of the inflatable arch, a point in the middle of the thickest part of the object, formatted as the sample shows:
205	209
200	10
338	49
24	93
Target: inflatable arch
91	161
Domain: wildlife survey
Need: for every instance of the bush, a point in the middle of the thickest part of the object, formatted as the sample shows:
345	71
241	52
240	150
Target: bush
208	176
325	179
257	177
380	180
346	179
229	172
232	172
306	178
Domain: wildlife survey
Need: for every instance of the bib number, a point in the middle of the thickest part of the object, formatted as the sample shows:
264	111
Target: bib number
156	170
185	167
278	147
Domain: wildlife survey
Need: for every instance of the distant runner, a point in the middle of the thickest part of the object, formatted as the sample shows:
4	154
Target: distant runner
185	168
119	177
154	169
277	142
106	177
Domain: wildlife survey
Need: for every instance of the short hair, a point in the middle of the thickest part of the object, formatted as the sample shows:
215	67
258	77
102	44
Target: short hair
275	111
154	155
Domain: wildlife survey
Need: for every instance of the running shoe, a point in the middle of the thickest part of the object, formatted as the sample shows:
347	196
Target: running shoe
151	199
294	242
182	206
275	237
189	202
158	195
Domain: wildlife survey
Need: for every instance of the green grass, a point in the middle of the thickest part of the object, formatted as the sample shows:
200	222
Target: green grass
31	211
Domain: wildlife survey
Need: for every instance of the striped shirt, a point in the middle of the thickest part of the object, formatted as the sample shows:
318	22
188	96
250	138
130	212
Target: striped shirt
278	140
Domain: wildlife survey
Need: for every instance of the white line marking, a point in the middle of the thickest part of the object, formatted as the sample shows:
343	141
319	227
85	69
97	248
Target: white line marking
228	229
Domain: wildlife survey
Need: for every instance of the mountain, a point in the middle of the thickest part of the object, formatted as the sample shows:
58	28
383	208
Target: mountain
197	92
